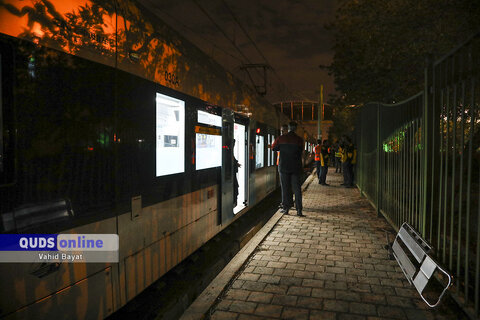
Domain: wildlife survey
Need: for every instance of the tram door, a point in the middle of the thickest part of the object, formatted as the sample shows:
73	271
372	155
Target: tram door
240	155
227	171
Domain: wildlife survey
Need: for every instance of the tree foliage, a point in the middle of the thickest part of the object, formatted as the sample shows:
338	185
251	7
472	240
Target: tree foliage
381	45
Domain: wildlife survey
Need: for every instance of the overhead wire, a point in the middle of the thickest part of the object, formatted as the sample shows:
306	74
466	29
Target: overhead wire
201	36
221	30
282	83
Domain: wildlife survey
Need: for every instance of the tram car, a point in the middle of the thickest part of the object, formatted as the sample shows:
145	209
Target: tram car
112	123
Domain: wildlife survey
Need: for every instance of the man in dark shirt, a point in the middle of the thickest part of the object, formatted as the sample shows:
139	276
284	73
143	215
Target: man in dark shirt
290	166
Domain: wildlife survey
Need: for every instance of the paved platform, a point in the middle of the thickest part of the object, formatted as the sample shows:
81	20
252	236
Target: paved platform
330	264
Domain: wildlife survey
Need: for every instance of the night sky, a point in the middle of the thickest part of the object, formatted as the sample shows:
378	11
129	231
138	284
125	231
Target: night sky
290	37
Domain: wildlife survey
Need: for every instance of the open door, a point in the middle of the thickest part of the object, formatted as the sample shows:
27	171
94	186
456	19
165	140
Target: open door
227	172
239	152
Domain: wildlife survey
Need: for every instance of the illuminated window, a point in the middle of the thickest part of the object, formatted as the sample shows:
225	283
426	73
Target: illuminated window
208	151
208	118
208	146
269	153
273	152
259	156
170	135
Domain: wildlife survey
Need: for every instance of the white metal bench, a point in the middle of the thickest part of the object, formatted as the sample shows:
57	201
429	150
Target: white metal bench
411	253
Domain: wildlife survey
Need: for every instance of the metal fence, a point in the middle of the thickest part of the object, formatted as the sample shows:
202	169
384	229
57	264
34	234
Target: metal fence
419	162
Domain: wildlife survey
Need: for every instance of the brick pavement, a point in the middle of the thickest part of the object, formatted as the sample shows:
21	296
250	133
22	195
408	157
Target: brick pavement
330	264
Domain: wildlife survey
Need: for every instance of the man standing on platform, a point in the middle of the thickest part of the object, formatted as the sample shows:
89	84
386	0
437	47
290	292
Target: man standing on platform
290	168
283	130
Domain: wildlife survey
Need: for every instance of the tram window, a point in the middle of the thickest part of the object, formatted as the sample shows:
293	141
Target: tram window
208	118
269	154
273	152
170	135
208	141
259	155
208	151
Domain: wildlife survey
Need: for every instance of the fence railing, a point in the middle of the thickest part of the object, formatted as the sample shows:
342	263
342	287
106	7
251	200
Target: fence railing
419	162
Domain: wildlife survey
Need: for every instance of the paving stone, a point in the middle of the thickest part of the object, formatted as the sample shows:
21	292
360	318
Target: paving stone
383	290
237	284
323	293
313	283
258	263
347	295
346	316
307	261
268	310
315	268
310	303
346	278
249	276
324	276
323	315
242	306
373	298
269	279
288	259
400	301
253	286
295	266
263	270
224	305
290	281
337	285
283	272
335	305
249	317
262	297
273	288
295	313
237	294
299	291
363	308
391	312
299	254
275	264
223	315
304	274
284	300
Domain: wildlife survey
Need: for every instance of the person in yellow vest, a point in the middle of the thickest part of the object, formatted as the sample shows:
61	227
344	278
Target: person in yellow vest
338	157
324	157
318	155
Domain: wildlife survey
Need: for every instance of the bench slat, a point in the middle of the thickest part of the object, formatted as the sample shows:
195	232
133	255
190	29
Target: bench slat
412	245
403	261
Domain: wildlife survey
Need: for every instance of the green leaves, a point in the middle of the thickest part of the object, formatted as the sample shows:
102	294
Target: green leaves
381	45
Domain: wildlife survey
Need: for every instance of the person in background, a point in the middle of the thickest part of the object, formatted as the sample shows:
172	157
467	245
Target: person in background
338	156
324	157
317	150
348	155
354	162
290	168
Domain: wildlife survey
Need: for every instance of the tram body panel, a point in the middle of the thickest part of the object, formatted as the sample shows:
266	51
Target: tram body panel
80	114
